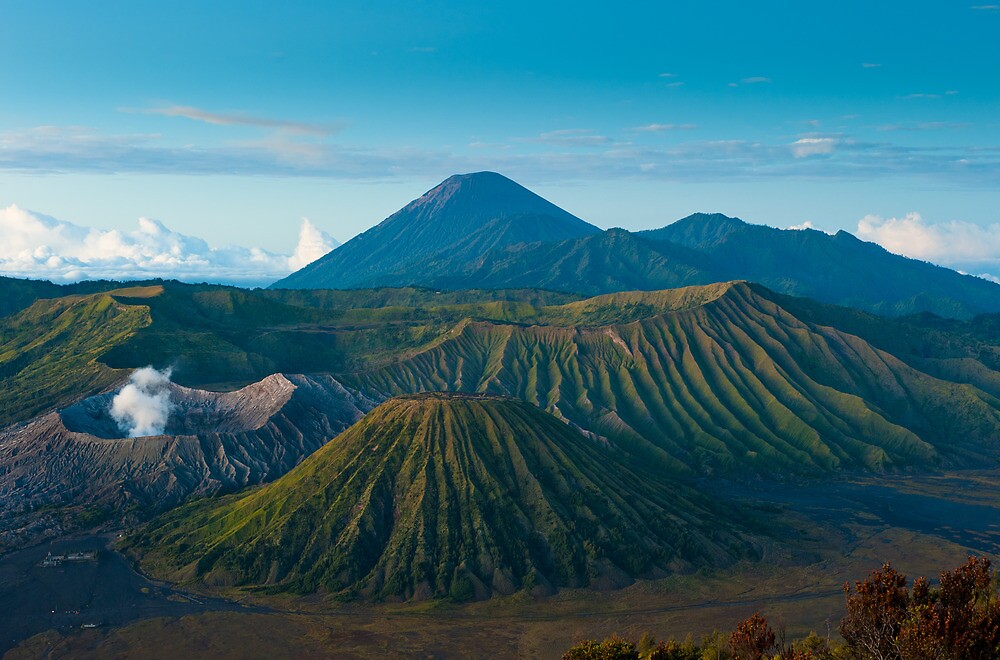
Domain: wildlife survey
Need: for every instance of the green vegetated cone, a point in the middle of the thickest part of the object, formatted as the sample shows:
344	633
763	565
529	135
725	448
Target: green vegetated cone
447	495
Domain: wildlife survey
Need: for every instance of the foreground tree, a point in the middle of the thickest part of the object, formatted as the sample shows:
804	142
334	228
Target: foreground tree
876	610
959	619
752	639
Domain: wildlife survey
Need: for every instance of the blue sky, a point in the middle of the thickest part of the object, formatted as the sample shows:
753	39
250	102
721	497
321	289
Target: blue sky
233	120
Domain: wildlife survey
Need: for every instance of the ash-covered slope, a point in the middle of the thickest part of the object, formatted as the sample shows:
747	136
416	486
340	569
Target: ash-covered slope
214	442
718	379
446	495
457	221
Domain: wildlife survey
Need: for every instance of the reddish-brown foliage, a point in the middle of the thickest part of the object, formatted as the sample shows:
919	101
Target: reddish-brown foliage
752	639
960	619
876	610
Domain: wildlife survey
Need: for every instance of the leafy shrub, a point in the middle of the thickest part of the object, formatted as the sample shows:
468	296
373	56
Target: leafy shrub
612	648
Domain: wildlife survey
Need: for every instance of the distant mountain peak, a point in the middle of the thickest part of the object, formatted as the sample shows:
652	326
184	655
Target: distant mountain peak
720	218
697	229
483	177
459	216
709	223
479	194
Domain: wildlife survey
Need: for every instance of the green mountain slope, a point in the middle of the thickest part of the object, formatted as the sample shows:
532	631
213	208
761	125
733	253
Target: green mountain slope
223	336
702	249
445	495
729	378
60	350
730	383
49	353
453	223
17	294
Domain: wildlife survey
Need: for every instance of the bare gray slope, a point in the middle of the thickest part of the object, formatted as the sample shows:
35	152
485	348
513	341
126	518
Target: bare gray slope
216	442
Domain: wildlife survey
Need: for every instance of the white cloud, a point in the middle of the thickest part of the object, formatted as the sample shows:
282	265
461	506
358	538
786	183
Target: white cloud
963	245
238	119
753	80
805	225
39	246
578	137
313	244
925	126
813	146
573	155
870	65
659	128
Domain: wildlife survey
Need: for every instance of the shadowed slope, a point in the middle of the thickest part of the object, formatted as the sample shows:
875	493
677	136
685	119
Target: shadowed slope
484	230
436	495
839	269
615	260
456	221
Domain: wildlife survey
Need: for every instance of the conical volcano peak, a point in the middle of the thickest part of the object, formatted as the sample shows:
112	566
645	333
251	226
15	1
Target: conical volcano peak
482	195
511	498
449	225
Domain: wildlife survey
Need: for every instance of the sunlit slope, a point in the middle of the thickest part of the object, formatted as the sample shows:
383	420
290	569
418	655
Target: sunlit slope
443	495
49	352
17	294
736	382
215	335
719	377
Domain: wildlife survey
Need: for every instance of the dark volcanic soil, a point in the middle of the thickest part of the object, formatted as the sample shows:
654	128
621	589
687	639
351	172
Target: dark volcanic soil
962	508
105	592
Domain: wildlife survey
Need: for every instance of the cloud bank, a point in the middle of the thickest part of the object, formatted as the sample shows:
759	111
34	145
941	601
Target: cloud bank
143	406
567	154
964	246
239	119
42	247
813	146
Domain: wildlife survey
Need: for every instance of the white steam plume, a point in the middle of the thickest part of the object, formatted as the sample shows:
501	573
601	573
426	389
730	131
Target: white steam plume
143	406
